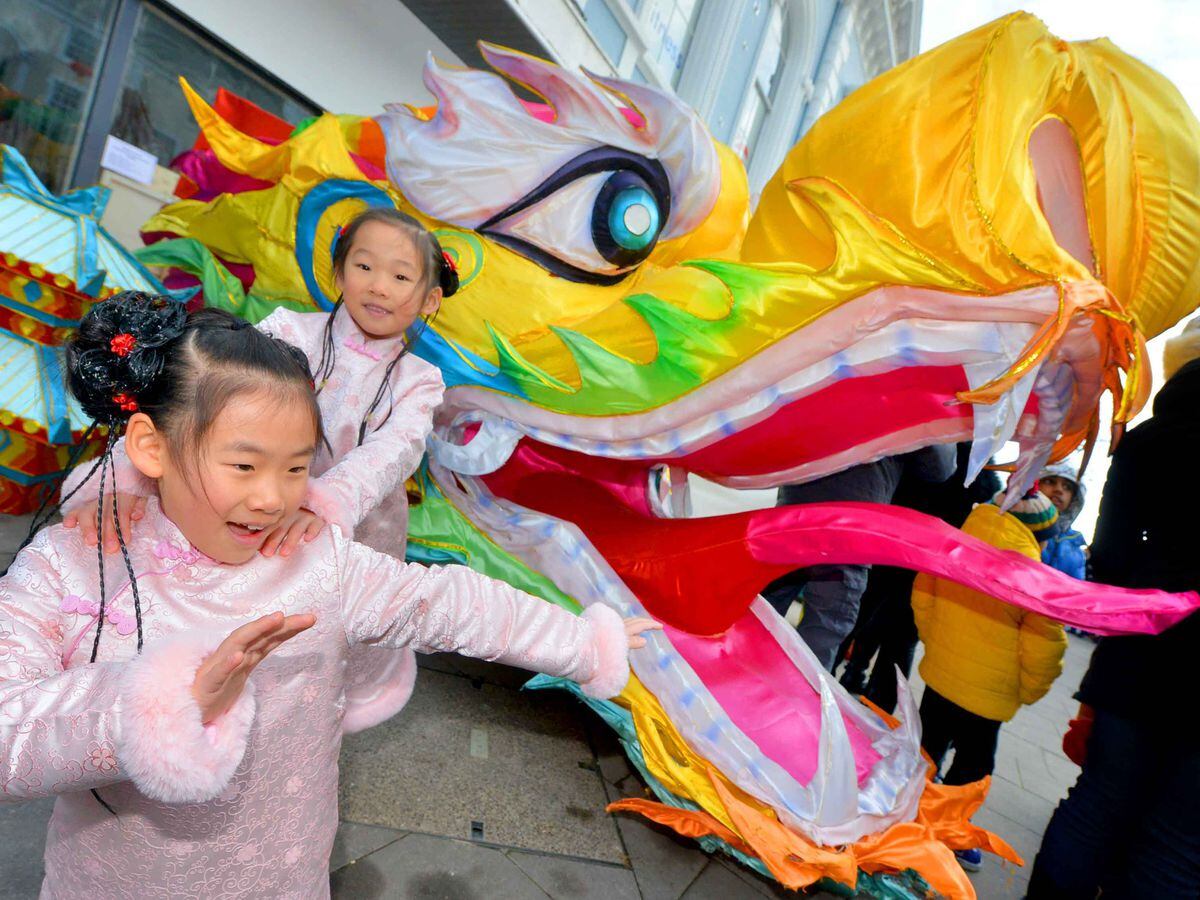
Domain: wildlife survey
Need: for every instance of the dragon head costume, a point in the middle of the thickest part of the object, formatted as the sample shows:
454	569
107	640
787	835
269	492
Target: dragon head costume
975	246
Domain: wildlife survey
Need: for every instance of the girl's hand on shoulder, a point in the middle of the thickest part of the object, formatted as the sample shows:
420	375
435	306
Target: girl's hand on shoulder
635	627
221	678
130	508
303	525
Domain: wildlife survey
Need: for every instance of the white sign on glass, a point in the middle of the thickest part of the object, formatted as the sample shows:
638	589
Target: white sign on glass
126	159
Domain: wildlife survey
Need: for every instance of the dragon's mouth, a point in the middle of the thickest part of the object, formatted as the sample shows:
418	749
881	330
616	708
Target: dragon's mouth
700	575
780	416
581	500
726	668
819	400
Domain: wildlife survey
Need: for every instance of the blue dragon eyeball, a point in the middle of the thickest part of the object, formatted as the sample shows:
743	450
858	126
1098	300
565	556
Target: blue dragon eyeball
626	220
633	219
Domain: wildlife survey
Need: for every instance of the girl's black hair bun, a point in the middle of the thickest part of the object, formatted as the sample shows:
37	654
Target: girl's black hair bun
120	351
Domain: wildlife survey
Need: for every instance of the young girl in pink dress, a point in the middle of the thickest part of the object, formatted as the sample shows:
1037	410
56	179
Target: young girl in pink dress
196	687
377	401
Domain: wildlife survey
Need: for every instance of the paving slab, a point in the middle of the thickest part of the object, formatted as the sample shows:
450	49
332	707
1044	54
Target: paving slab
999	882
714	882
425	867
762	887
721	880
354	841
22	844
663	863
480	761
563	877
1019	805
611	762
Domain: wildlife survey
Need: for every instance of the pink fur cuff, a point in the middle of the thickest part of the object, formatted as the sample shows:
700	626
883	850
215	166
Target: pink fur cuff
612	652
165	750
326	504
392	673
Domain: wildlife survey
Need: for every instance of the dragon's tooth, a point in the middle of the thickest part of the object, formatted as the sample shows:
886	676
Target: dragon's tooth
835	782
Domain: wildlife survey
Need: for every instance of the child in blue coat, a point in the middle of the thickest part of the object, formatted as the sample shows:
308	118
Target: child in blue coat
1063	547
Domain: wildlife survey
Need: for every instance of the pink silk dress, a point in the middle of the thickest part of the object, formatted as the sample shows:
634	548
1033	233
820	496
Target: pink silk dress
246	805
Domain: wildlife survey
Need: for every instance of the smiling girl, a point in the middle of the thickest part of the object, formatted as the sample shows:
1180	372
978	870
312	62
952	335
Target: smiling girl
209	732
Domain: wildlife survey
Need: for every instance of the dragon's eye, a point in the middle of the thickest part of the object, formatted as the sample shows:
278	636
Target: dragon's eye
594	220
626	220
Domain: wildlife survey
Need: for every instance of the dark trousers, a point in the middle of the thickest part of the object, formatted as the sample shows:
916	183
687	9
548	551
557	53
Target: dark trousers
885	626
1131	823
831	595
945	725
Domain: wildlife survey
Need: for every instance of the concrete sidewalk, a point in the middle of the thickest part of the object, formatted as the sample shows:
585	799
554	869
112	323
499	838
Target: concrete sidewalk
480	790
1032	774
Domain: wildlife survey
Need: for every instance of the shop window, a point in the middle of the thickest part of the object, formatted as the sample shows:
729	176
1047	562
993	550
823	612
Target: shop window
82	44
605	29
64	96
151	111
49	53
670	25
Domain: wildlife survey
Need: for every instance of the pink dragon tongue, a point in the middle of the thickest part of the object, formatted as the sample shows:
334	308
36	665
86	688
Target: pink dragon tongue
766	695
700	575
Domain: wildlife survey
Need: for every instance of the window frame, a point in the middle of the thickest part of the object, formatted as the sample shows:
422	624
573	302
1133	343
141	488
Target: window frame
84	169
765	100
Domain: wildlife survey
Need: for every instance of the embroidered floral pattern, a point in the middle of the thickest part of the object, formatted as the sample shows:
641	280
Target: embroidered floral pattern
171	550
101	758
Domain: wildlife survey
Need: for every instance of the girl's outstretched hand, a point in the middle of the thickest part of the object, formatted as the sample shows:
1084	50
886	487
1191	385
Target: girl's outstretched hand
222	677
130	508
287	535
634	628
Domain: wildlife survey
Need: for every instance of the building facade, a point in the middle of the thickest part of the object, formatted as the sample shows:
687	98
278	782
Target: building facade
73	72
759	72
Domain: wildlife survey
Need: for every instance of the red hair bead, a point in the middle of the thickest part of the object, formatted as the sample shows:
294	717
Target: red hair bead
125	402
122	344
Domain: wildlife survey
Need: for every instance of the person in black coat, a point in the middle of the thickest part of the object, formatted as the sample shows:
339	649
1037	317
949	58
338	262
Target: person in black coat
831	594
885	621
1131	824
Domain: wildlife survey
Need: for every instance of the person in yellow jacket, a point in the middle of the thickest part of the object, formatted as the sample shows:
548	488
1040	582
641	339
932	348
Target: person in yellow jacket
983	658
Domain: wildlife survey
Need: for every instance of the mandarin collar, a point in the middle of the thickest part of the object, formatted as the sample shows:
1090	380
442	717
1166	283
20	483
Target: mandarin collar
166	540
347	334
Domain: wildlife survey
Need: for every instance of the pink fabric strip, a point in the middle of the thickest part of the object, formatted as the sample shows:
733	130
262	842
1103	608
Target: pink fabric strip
867	533
211	176
766	696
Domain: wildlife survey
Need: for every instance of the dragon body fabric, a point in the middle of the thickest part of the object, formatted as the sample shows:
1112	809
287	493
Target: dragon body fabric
56	261
974	246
